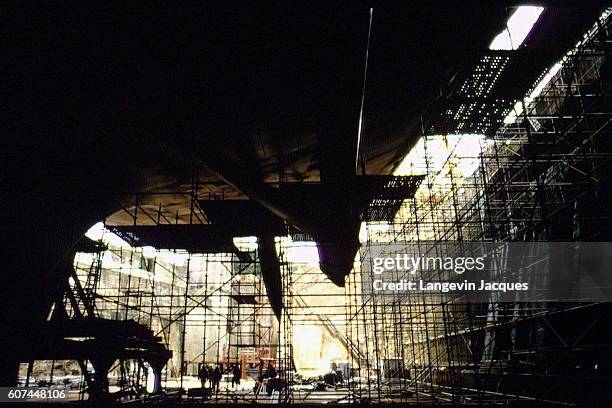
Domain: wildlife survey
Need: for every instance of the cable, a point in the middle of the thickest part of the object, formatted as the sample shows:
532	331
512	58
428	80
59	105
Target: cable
363	90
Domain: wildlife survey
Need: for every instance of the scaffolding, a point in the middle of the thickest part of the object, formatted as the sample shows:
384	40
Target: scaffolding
544	175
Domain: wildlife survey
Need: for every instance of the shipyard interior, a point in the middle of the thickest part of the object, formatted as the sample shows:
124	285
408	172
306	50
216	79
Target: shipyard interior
195	195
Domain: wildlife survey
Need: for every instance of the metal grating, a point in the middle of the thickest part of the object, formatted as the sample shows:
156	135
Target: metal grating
385	205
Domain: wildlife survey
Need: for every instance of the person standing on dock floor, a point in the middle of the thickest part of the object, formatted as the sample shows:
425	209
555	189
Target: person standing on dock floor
203	375
237	373
216	379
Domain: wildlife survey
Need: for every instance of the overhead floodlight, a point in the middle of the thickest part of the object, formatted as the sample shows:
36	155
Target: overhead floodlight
517	29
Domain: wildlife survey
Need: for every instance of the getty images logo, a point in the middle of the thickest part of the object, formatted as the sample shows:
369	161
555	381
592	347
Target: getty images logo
407	263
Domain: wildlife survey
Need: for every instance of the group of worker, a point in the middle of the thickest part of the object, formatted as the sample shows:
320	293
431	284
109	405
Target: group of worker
212	375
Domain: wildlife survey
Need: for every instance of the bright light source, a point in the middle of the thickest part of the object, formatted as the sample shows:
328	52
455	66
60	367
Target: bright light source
518	28
369	230
304	252
97	232
150	380
549	75
173	258
149	252
324	366
518	108
245	243
460	150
